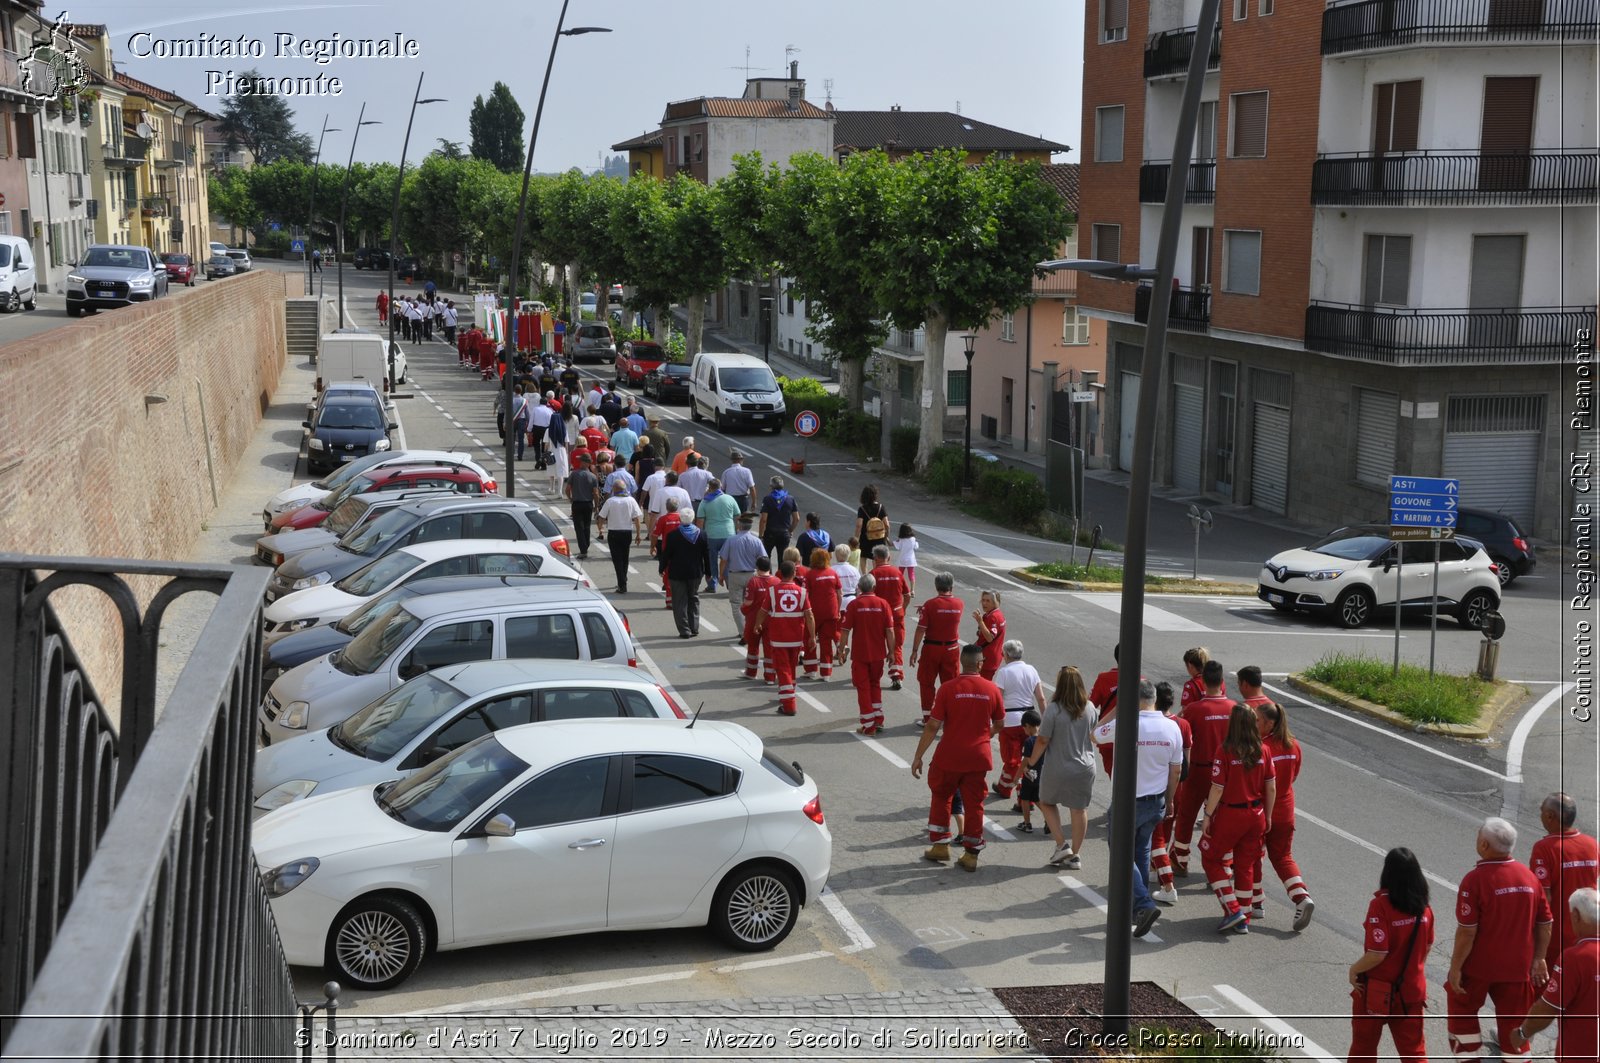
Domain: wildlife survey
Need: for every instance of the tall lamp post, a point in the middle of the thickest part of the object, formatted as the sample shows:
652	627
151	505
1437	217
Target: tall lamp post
766	328
971	341
516	240
394	217
1119	914
344	199
311	220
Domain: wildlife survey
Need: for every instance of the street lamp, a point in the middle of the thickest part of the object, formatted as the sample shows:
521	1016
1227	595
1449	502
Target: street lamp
971	341
516	240
1119	910
311	211
344	199
766	327
394	218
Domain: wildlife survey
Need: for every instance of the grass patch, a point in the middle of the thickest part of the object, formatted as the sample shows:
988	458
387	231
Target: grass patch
1412	693
1091	574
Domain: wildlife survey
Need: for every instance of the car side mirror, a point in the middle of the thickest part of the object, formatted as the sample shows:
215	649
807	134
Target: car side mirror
1388	562
500	826
393	425
305	424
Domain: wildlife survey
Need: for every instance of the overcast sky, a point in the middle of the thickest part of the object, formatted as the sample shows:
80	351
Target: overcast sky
1014	63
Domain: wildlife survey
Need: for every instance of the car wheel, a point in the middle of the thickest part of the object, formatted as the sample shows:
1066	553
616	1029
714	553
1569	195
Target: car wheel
74	311
376	943
1504	572
694	411
33	300
755	908
1354	607
716	420
13	301
1473	606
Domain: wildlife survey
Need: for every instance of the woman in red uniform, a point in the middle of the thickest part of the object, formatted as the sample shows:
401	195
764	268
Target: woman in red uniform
822	588
1284	753
1194	688
1237	812
1390	984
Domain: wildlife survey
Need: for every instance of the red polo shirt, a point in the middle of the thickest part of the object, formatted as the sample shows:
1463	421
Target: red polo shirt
1208	719
1389	931
1241	785
822	584
868	618
1285	768
1505	902
891	587
967	707
1574	991
993	655
940	618
1563	863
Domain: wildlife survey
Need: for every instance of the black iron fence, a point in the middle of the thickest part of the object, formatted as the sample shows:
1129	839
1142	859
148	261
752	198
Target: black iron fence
1201	187
1190	308
1452	178
1167	53
1426	337
133	921
1395	23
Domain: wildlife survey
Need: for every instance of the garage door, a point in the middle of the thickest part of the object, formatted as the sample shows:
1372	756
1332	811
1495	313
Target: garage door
1187	432
1492	445
1129	417
1269	458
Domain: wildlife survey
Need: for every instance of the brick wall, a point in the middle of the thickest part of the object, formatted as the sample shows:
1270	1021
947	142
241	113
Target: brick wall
1108	192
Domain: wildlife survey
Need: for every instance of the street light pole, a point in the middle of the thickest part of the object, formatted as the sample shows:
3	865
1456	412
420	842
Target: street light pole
394	217
971	340
311	285
766	328
516	244
344	199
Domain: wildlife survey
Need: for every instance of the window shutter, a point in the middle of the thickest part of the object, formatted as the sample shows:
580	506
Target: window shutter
1116	15
1249	125
1243	263
1107	243
1376	413
1108	135
1407	114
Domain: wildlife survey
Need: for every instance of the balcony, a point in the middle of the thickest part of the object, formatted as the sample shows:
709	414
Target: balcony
11	73
155	206
1201	186
175	155
1189	310
1373	24
1167	54
125	150
1400	336
1454	179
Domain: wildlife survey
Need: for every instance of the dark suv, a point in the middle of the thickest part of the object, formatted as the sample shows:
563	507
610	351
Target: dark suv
370	258
1507	546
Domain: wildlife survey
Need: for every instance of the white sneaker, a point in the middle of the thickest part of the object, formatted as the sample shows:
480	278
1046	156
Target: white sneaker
1302	913
1063	851
1168	896
1258	911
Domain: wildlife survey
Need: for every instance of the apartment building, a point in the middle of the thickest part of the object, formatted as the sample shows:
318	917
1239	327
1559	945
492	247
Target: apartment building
18	135
1387	245
52	140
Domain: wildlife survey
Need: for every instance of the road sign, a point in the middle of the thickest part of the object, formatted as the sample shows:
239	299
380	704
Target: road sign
1402	534
807	424
1422	507
1083	396
297	245
2	199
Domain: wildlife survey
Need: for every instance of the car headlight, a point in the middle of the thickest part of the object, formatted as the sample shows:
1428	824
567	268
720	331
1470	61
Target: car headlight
283	794
73	278
285	877
294	715
316	444
1325	574
316	579
142	280
382	444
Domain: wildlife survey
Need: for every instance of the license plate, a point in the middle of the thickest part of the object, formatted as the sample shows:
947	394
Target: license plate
345	457
1275	598
760	416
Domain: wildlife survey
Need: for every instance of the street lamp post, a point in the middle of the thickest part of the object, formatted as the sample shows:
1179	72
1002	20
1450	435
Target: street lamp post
1119	915
394	216
971	341
766	328
311	220
344	199
516	241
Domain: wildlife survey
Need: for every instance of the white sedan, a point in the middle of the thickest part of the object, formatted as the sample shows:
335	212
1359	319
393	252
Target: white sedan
547	830
307	493
327	602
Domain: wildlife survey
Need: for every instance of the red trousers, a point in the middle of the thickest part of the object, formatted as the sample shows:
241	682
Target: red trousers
757	652
944	785
1366	1030
1237	831
1192	794
827	637
785	662
938	664
1280	850
1160	859
1011	739
897	670
1511	1003
867	678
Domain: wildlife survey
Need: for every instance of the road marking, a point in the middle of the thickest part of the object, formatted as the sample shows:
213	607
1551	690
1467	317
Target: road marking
860	940
1099	902
997	830
1155	618
709	626
809	700
883	751
774	961
1294	1037
989	554
494	1003
1512	796
1301	813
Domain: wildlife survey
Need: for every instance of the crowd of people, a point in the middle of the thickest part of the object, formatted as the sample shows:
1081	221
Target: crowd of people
421	317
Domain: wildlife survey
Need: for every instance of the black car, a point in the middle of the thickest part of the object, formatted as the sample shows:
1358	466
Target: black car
670	380
370	258
343	430
1500	535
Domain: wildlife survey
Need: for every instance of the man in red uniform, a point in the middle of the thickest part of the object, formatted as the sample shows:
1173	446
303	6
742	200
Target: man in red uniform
869	622
754	594
1161	838
991	633
1565	859
1208	723
1249	687
936	640
822	586
786	621
383	308
1237	809
892	589
1503	930
970	709
1103	695
1573	992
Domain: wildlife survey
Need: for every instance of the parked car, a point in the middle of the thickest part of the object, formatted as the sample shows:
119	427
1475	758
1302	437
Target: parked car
636	359
546	830
561	622
375	481
306	493
1350	575
615	298
668	382
1508	547
112	275
588	303
180	268
340	431
220	266
19	278
425	718
593	343
241	259
370	258
343	523
736	389
216	247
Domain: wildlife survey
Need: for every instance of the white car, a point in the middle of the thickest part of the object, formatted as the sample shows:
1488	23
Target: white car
327	602
1351	574
543	831
307	493
420	721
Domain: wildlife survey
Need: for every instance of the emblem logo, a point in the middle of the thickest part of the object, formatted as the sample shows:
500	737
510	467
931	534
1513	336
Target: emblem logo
53	69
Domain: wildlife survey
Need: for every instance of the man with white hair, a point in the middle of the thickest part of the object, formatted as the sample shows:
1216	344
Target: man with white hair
1021	689
1572	996
1503	928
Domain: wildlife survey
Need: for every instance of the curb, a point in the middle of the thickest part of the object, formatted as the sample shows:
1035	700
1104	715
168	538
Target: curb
1183	587
1506	696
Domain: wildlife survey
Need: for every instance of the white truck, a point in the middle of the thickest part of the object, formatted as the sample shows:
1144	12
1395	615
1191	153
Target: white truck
356	354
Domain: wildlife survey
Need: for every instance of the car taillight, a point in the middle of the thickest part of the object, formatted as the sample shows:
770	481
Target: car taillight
490	487
560	547
625	625
1521	544
1494	568
672	702
319	383
813	809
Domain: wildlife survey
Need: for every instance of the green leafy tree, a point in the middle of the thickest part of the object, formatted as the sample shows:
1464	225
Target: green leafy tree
496	128
642	229
263	124
230	197
488	200
701	259
449	149
371	203
433	218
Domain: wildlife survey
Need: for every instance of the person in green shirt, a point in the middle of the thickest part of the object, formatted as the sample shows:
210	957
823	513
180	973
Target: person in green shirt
715	516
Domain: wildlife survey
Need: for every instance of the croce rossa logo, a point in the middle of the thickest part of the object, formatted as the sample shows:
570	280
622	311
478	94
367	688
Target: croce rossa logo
52	68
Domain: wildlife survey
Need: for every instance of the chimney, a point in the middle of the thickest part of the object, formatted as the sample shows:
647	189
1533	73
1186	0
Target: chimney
794	97
794	70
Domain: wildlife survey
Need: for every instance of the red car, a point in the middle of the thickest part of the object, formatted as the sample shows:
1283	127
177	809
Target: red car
636	359
384	478
180	268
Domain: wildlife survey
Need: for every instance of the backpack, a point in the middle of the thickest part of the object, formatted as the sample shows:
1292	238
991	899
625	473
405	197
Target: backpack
877	528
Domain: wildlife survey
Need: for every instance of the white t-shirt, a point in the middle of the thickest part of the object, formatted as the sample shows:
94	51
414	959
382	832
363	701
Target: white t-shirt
653	483
849	580
907	556
1017	681
658	502
619	512
1160	747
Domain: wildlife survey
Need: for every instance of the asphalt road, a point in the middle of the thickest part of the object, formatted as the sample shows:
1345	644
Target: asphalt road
893	921
51	312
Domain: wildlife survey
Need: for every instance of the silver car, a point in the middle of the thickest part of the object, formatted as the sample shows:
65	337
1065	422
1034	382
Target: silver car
241	259
114	275
220	266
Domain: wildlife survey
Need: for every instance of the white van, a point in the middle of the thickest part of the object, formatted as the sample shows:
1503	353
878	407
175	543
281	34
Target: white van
19	283
356	354
735	389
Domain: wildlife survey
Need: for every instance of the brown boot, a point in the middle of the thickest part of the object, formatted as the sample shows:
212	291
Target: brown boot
939	853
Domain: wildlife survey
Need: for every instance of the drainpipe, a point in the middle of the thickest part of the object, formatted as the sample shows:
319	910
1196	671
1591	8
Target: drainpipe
1027	372
49	215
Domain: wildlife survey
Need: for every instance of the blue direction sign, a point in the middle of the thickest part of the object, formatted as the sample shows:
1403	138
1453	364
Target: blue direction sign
1428	502
297	245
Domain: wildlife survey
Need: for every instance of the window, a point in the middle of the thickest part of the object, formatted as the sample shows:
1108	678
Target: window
955	386
1241	8
551	636
1376	415
1108	134
438	530
5	223
511	710
27	145
1241	261
699	147
1074	326
601	642
586	704
1105	242
1205	132
1396	110
568	794
1200	258
1008	327
789	300
1387	279
459	732
661	780
491	525
509	564
1113	21
1266	7
1249	125
470	640
744	301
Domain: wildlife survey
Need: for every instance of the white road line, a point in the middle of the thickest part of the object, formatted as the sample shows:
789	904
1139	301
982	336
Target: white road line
1099	902
1301	813
996	829
860	940
774	961
709	626
806	697
539	994
994	556
1512	797
1156	619
884	751
1249	1007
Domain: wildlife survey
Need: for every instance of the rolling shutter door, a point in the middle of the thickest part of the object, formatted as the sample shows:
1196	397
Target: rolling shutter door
1492	445
1376	412
1269	458
1129	417
1187	433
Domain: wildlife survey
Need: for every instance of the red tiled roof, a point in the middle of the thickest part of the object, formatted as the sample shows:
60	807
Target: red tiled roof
738	107
89	30
1063	177
144	88
651	139
929	130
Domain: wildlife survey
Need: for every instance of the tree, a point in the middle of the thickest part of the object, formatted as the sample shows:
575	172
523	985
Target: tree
449	149
701	259
230	198
432	216
496	128
263	124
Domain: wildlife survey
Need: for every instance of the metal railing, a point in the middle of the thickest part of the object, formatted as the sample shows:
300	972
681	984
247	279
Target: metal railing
1167	53
1455	178
155	206
1398	23
1200	188
133	920
1404	336
1190	309
10	70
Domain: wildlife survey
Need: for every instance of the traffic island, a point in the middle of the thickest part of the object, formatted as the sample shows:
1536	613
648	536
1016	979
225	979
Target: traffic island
1105	578
1064	1023
1413	700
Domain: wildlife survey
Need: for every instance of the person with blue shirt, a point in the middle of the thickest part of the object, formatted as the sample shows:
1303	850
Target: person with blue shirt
814	537
636	419
779	515
716	514
736	564
622	476
624	441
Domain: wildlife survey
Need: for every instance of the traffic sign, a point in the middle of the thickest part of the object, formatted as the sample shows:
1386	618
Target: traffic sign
1399	534
297	245
807	424
1425	505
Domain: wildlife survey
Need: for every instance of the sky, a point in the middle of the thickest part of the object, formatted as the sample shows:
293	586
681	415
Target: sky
1012	63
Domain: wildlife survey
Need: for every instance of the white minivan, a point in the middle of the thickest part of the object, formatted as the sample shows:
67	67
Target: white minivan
735	389
19	283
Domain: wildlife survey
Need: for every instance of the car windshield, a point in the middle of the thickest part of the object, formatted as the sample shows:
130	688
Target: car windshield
440	796
358	620
678	371
352	417
348	472
747	379
1352	546
649	352
5	254
375	536
238	254
369	650
175	260
383	728
594	332
336	498
370	579
345	517
119	257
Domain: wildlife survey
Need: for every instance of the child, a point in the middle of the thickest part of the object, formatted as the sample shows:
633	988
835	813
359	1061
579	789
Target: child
855	553
906	559
1028	792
